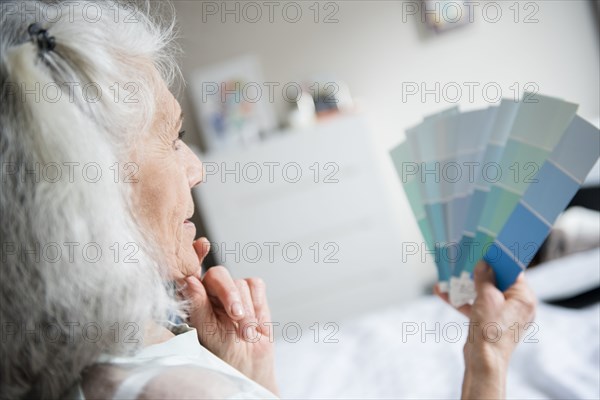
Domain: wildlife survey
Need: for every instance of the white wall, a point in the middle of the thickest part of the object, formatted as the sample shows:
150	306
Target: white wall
375	52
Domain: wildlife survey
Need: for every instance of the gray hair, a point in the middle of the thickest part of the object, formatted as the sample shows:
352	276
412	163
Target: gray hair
78	276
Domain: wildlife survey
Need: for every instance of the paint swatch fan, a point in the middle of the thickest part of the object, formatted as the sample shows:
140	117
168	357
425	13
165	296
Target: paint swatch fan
488	184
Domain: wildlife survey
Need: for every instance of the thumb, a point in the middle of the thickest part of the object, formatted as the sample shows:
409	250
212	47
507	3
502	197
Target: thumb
484	277
201	247
199	303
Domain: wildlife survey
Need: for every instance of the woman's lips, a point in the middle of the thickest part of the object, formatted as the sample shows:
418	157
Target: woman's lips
189	224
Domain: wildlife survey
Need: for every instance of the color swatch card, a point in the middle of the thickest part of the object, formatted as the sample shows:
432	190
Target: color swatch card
489	184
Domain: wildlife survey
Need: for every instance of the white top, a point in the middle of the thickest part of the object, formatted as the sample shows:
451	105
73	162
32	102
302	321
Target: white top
193	371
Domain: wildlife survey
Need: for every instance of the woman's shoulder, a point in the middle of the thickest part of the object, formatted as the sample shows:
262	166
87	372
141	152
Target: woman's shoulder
177	368
176	381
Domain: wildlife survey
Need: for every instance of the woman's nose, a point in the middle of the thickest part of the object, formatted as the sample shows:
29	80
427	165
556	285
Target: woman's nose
193	168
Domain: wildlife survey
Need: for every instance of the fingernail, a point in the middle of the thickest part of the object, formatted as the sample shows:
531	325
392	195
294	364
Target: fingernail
237	309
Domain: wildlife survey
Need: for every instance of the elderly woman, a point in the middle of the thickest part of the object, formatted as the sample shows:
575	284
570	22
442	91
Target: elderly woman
99	260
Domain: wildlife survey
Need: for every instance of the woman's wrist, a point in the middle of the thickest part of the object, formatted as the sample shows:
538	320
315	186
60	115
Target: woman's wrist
485	371
485	356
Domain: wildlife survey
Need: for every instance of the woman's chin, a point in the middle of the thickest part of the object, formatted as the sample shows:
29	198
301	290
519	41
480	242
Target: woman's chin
185	270
190	263
185	257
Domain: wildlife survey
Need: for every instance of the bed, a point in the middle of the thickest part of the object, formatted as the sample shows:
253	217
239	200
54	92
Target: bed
384	354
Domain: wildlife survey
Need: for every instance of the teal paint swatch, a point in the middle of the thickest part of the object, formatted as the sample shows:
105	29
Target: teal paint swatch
528	159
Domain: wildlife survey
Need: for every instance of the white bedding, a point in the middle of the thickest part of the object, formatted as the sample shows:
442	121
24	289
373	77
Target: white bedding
371	359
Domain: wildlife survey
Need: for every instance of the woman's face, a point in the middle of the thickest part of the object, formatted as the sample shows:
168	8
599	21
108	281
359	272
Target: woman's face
168	169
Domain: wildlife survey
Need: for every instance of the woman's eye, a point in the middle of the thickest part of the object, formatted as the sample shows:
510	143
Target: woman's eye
179	138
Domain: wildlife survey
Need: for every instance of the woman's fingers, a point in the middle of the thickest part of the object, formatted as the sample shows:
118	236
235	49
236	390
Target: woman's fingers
442	295
195	293
522	296
484	278
521	290
247	325
465	310
202	247
261	306
244	301
219	284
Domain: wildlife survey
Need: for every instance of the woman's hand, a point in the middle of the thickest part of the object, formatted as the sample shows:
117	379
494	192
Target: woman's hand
232	318
497	323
